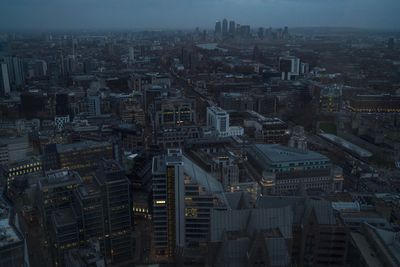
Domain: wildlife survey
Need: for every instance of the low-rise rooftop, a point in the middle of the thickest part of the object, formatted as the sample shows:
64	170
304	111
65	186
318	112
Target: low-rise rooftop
60	177
80	145
346	144
276	154
8	234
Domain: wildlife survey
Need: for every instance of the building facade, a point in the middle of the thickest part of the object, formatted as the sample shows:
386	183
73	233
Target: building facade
283	170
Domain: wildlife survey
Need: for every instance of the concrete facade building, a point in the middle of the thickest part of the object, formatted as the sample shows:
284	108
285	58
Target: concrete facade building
117	210
81	156
218	27
289	68
218	120
176	137
183	197
56	191
283	170
64	233
266	130
174	112
224	27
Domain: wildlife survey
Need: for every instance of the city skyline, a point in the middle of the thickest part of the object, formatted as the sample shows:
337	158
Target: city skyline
213	133
177	14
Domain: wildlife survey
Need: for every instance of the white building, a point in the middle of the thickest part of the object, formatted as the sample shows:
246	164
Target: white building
218	119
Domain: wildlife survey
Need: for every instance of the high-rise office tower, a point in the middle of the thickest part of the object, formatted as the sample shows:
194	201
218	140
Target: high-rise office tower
297	170
74	212
117	207
56	191
225	27
89	207
15	70
261	33
4	79
232	27
218	27
183	196
74	42
285	33
218	119
168	202
82	156
131	54
63	233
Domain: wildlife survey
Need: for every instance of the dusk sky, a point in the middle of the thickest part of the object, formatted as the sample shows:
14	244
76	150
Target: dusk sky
184	14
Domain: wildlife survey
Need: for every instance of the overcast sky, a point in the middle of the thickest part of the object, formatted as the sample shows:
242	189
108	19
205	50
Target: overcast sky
184	14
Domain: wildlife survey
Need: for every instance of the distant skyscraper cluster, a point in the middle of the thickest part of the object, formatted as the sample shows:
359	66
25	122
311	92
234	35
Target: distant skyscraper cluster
238	147
225	29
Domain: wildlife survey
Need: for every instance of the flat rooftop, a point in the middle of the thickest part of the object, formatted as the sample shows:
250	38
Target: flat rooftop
217	110
60	177
276	154
88	189
262	119
362	214
347	145
80	146
367	252
64	217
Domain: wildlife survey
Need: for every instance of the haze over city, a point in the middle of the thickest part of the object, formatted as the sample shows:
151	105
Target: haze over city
185	14
207	133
